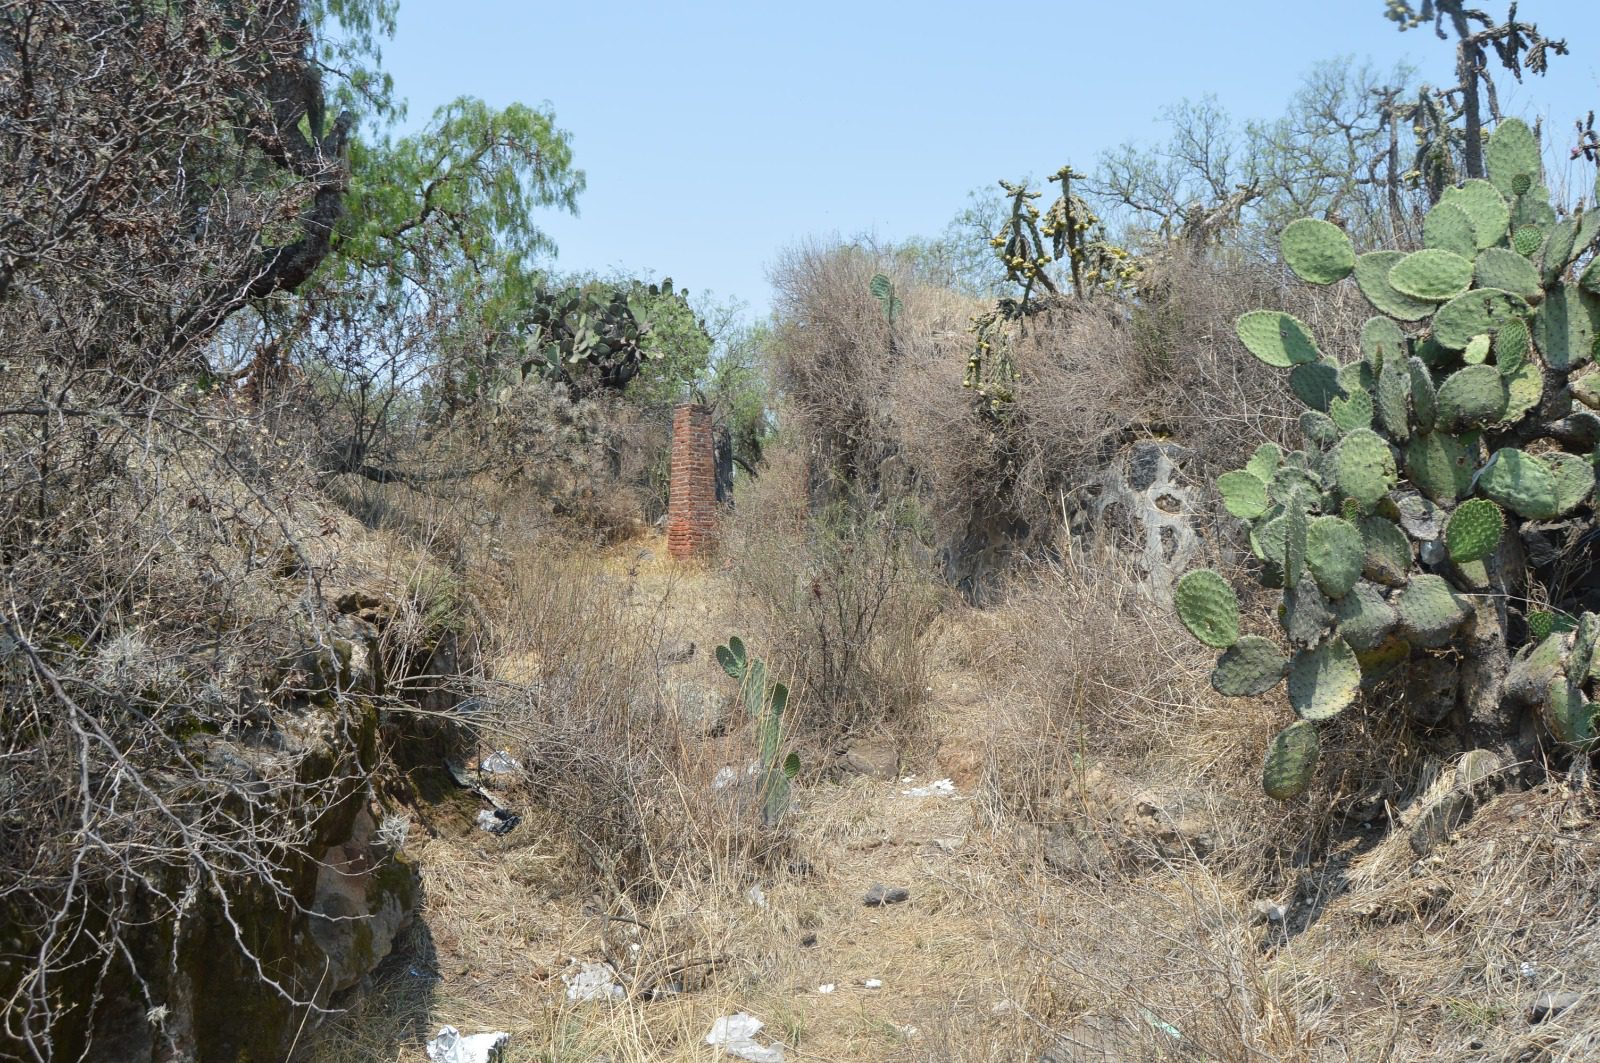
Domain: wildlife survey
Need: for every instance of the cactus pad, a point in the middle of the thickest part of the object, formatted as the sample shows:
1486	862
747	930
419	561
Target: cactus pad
1364	466
1382	342
1430	610
1333	554
1386	552
1503	268
1480	310
1568	714
1318	251
1249	667
1565	326
1242	494
1447	228
1477	351
1581	661
1521	483
1364	618
1315	383
1574	478
1265	461
1383	659
1470	398
1423	394
1511	156
1279	339
1318	428
1527	240
1324	681
1484	207
1586	389
1307	615
1439	466
1556	252
1524	389
1208	608
1372	276
1394	398
733	658
1511	347
1291	761
1432	275
1352	410
1474	530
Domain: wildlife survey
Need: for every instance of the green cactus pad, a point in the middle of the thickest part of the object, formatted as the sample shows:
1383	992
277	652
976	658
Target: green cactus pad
1586	389
1333	554
1364	618
1294	539
1556	252
1471	575
1242	494
1386	552
1394	398
1358	376
733	658
1372	276
1324	681
1511	347
1291	761
1568	713
1447	228
1290	479
1352	411
1430	610
1480	310
1315	383
1521	483
1319	252
1381	342
1527	240
1590	280
1533	208
1250	667
1364	466
1432	275
1503	268
1581	661
1319	428
1565	327
1512	152
1439	466
1265	461
1574	478
1477	351
1485	208
1474	530
1279	339
1423	394
1470	398
1208	608
1524	389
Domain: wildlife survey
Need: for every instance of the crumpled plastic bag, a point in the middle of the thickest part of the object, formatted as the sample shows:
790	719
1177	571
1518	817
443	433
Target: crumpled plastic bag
735	1035
452	1046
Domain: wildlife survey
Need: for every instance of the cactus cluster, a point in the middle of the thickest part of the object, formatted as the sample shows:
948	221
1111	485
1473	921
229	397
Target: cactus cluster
766	705
597	329
1425	457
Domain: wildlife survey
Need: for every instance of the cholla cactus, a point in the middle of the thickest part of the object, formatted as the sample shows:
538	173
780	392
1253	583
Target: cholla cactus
766	705
1396	534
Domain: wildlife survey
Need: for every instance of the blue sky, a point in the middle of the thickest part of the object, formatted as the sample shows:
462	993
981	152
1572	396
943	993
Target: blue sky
716	134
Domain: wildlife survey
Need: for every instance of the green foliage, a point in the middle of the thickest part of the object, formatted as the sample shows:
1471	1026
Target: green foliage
1381	533
766	705
883	291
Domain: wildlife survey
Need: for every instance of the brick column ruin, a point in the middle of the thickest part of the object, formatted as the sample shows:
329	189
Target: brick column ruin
692	495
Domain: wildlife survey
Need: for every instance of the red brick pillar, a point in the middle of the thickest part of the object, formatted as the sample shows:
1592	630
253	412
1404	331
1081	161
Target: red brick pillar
692	497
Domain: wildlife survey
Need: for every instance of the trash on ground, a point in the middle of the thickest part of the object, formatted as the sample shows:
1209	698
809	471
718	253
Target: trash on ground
757	896
459	774
498	821
452	1046
592	981
939	788
873	983
736	1035
499	762
825	987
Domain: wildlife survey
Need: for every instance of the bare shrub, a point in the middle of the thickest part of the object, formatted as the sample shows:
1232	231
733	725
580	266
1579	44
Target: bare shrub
845	599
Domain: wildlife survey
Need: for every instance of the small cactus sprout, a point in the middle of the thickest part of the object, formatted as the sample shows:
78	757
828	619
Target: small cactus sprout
766	705
1436	441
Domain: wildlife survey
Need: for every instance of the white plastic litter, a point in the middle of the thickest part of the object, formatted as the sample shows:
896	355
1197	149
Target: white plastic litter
499	762
724	778
451	1046
736	1035
592	981
825	987
941	788
757	896
873	983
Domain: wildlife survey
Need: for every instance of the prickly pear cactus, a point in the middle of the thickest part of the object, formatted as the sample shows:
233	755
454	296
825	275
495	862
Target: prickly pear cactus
766	705
1463	421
